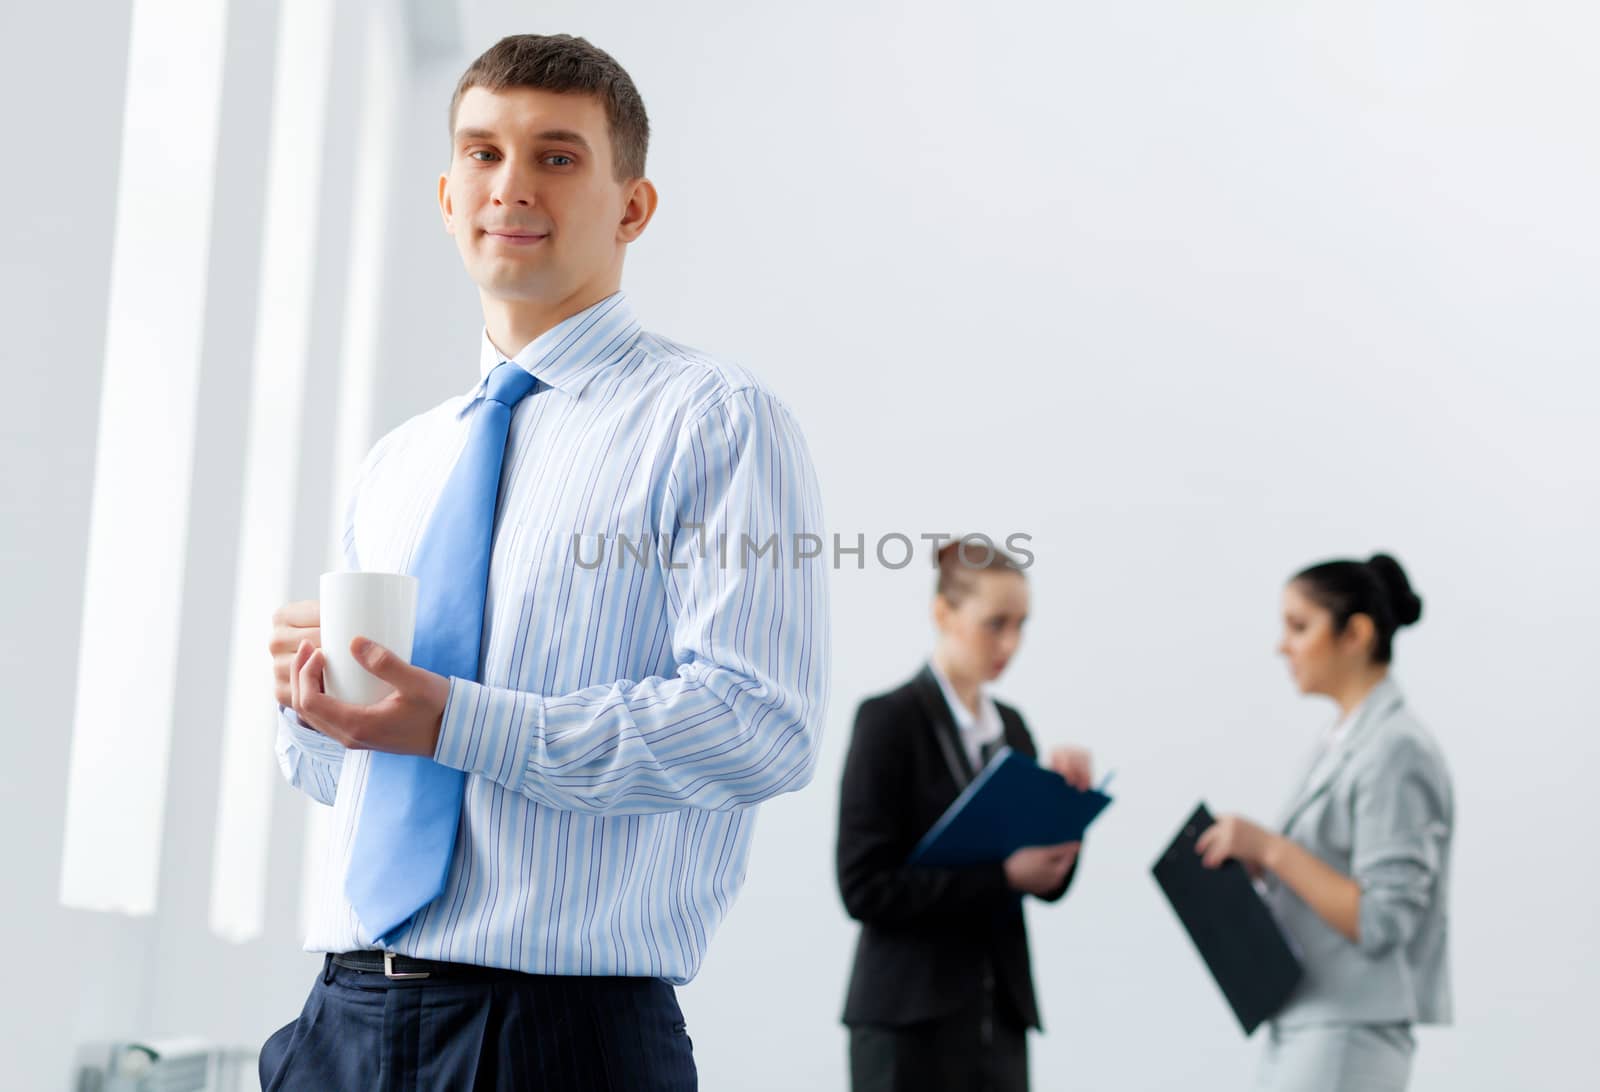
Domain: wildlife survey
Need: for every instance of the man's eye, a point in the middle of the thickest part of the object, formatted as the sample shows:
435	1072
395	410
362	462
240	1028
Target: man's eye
480	152
565	160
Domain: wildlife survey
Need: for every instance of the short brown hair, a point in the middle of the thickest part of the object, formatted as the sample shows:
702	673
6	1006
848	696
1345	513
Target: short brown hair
961	561
564	64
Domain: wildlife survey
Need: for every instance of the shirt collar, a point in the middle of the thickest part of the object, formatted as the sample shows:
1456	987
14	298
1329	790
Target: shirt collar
1341	727
984	727
572	352
1385	693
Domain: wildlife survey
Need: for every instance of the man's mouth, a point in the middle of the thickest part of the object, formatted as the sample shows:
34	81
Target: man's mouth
518	237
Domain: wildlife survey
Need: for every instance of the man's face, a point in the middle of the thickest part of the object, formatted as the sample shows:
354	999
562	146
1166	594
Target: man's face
530	196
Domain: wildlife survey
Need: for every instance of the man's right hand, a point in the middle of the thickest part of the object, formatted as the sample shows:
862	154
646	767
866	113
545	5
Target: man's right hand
1039	870
291	624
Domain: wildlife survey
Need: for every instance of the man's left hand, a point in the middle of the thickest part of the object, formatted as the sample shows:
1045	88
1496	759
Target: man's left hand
404	723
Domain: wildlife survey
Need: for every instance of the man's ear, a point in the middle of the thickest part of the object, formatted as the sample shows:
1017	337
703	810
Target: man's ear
446	207
636	213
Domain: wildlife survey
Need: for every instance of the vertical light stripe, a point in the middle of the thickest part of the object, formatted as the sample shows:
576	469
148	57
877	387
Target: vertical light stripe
374	180
374	183
139	515
261	584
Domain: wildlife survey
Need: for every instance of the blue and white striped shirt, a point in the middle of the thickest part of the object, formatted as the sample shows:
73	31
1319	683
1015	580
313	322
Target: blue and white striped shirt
630	712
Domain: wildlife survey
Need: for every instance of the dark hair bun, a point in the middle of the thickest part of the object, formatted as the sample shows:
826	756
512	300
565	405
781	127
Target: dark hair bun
1405	603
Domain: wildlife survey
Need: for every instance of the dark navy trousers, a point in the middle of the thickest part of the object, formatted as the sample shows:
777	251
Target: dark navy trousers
362	1032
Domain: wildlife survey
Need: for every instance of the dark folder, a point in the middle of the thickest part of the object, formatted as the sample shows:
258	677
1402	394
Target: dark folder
1229	923
1013	802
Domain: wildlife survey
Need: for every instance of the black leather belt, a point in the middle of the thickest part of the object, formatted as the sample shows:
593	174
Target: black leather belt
398	967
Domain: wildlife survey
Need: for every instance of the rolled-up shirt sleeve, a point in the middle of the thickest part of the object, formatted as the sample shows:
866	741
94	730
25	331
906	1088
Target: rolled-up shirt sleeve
1401	829
739	720
310	761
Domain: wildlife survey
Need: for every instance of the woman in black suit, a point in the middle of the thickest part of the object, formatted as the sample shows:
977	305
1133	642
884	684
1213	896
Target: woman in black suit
941	996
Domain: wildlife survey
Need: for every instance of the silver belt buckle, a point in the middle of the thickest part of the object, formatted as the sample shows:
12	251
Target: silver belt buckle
390	972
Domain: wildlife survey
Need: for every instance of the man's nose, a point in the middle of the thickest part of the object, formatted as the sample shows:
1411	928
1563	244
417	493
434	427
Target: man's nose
513	185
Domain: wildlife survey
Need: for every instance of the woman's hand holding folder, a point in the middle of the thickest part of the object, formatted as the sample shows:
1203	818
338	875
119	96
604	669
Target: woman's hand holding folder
1041	870
1074	764
1233	837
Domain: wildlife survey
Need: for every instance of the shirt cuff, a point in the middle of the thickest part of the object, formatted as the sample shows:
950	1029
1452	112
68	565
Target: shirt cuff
307	738
488	731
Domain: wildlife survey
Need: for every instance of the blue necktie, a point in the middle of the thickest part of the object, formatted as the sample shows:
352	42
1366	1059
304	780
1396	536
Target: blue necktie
411	806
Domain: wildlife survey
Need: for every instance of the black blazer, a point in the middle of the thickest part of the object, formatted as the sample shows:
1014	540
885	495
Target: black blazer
926	933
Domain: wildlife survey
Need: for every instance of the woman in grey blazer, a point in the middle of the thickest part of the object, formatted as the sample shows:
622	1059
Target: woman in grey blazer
1358	868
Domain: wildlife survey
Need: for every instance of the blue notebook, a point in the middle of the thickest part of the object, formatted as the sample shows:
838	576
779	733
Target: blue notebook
1013	802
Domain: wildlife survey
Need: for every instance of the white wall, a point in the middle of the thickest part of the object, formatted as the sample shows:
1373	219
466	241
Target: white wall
1194	294
55	322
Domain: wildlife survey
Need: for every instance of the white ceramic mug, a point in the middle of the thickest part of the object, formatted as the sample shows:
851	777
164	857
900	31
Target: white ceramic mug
381	607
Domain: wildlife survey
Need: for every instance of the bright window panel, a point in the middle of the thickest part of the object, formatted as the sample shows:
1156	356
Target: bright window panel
139	515
267	522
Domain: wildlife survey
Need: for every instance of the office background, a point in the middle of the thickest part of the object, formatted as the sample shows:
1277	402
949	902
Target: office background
1191	293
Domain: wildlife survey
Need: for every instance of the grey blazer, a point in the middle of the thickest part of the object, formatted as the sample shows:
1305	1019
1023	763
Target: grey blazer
1378	807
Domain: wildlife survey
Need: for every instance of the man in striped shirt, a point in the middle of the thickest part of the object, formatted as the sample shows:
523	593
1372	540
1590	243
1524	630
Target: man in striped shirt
654	657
